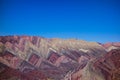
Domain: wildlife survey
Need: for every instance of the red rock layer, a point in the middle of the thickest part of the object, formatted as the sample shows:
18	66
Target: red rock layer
110	65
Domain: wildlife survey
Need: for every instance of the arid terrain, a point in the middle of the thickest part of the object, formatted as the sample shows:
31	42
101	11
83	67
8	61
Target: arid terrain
38	58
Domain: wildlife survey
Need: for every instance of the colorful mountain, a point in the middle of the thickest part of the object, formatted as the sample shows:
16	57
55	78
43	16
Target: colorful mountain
38	58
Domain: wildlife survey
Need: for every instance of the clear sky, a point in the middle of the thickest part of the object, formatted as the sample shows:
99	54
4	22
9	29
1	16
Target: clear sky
91	20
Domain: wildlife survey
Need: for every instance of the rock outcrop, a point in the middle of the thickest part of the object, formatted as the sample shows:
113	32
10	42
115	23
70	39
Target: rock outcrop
38	58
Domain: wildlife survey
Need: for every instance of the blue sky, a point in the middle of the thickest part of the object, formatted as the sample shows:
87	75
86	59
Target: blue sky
91	20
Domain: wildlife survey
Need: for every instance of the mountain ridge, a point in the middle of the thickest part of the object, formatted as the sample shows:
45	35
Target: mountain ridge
55	59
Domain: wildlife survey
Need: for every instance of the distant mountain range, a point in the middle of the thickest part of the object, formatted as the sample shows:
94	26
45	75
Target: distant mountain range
38	58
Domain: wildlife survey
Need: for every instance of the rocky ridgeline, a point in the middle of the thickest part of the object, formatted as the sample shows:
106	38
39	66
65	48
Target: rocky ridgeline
38	58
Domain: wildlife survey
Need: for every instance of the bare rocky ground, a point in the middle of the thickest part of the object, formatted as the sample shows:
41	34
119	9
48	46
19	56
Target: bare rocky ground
38	58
